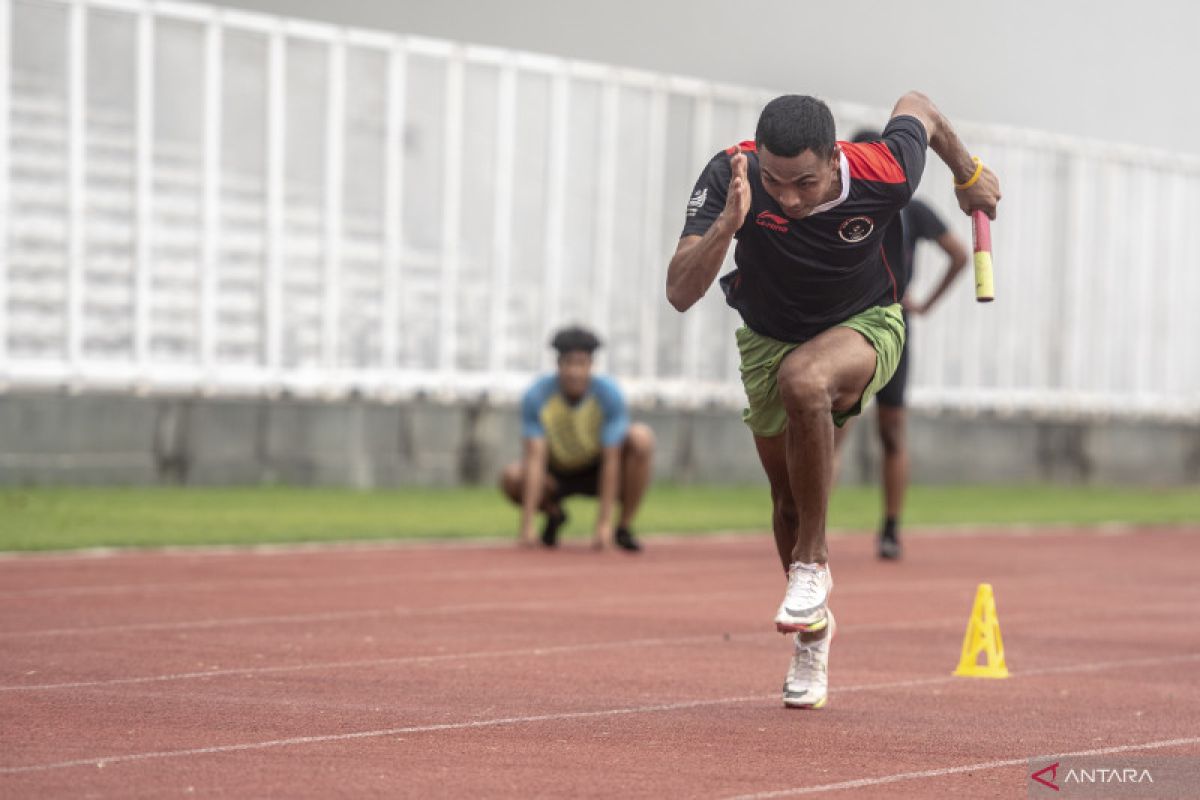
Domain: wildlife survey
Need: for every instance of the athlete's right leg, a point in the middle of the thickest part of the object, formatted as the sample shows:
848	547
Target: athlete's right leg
772	452
512	484
806	684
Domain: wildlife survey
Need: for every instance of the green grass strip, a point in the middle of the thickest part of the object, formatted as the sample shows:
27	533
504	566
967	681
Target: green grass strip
68	518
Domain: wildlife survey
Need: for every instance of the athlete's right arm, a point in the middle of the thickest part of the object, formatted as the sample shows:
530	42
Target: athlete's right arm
698	259
984	192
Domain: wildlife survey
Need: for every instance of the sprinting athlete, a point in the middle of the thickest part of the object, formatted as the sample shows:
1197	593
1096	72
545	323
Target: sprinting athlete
816	287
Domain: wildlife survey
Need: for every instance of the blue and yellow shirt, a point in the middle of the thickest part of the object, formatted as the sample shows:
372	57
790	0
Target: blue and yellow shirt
575	434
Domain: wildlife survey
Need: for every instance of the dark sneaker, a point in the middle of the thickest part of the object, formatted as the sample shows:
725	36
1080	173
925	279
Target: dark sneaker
889	546
554	520
625	541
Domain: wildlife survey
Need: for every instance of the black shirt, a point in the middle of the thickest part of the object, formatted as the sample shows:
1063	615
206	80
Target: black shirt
920	222
797	278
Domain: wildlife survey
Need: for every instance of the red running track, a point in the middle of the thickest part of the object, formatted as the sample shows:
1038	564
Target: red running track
484	671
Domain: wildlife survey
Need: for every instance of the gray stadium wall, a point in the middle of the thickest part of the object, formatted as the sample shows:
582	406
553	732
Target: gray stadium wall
81	439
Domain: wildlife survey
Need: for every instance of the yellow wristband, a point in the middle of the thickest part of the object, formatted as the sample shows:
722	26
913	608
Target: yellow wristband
971	181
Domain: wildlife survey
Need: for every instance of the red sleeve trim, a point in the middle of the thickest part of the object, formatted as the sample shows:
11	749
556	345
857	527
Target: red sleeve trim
873	161
747	146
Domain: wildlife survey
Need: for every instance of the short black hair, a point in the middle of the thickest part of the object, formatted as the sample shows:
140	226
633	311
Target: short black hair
866	135
575	339
793	123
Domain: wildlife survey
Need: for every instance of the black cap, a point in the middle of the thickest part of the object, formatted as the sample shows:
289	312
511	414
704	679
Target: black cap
575	339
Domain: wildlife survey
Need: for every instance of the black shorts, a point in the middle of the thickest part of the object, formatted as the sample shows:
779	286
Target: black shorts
581	481
892	394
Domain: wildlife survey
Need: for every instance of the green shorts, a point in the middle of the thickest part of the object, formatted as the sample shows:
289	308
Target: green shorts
882	326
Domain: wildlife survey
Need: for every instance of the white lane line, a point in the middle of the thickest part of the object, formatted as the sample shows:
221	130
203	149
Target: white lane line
554	571
541	650
534	605
555	604
369	548
350	549
606	601
742	636
861	783
371	613
726	537
396	661
101	761
341	737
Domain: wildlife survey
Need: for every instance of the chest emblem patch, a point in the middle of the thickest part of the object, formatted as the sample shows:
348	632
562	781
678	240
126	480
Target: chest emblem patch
856	229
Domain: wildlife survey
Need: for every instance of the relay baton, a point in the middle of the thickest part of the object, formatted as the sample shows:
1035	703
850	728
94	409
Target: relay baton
981	227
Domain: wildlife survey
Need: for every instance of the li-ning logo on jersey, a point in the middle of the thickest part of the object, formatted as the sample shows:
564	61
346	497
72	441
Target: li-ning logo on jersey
772	222
697	202
856	229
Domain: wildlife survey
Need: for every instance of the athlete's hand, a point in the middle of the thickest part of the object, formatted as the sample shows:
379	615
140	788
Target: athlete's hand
737	199
602	539
913	307
983	195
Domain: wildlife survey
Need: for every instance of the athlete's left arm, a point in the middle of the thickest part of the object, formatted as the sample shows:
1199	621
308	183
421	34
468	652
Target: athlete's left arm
613	430
984	193
610	479
956	259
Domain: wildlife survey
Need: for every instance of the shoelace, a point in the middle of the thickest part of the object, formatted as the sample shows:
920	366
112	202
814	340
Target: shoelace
805	664
812	581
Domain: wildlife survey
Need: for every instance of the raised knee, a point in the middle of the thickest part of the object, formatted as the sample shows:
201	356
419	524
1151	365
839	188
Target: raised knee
805	391
510	480
640	439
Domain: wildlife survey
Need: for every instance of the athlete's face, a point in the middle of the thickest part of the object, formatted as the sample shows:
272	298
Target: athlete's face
574	373
800	183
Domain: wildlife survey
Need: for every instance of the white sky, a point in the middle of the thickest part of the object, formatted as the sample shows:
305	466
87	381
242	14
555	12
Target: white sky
1119	72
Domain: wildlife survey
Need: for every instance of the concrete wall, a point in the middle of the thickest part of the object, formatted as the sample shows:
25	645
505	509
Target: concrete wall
56	438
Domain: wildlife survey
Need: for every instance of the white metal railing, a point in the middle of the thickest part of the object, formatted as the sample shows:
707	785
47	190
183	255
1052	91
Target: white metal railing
202	199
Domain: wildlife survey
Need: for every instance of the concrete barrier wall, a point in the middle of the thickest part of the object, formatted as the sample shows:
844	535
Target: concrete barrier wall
57	439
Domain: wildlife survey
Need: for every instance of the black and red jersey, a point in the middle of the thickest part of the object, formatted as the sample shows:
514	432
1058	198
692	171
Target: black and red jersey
797	278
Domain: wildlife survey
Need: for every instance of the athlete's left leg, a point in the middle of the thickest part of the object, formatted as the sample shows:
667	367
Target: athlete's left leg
894	438
890	416
637	460
840	435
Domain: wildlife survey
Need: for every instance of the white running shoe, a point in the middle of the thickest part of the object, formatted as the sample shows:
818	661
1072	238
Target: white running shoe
807	684
803	607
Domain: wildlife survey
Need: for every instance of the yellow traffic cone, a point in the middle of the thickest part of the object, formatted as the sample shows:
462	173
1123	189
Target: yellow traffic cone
983	637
